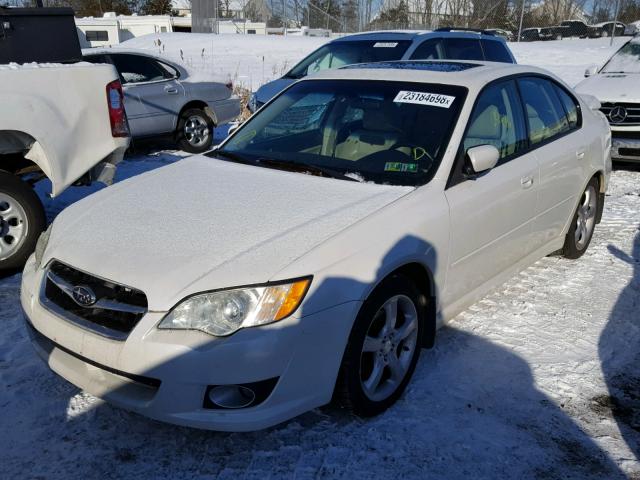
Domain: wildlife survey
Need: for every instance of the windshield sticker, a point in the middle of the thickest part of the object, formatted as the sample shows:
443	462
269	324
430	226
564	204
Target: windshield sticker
401	167
424	98
385	45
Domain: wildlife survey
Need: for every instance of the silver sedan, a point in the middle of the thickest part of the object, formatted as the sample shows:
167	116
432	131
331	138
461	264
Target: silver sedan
162	97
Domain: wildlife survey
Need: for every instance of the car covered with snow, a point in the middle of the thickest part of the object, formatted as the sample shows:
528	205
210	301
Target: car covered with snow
444	43
315	252
65	123
617	86
163	97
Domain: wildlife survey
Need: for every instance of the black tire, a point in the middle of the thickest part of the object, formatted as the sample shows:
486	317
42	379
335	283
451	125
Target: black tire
349	391
187	141
573	248
34	220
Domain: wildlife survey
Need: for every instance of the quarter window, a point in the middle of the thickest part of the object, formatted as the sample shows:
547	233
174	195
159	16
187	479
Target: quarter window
497	120
496	51
545	113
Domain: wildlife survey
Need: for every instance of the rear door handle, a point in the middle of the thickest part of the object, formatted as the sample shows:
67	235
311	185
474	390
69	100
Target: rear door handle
580	154
171	90
526	182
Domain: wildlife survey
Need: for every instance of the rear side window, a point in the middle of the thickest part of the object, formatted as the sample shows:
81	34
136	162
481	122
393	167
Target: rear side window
570	106
495	51
544	111
463	49
448	49
497	120
138	69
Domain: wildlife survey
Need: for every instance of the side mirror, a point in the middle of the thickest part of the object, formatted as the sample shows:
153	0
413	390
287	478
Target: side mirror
592	70
232	128
483	157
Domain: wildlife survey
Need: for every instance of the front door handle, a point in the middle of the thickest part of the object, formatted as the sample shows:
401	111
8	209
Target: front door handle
527	181
580	154
171	90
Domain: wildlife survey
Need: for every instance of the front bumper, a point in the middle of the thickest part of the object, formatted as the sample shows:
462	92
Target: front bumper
165	374
625	148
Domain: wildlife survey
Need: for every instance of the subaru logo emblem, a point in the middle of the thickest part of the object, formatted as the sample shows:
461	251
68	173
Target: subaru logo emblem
84	296
618	114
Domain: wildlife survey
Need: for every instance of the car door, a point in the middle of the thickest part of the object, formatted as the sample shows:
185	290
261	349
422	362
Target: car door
559	145
491	214
153	95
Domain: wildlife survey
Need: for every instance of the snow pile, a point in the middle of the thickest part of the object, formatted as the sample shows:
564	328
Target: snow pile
34	65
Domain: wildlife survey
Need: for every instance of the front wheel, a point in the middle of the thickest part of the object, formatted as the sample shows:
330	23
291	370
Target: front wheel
22	219
383	348
195	131
583	223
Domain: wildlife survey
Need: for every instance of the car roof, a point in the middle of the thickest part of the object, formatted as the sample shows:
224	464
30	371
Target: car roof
471	74
390	35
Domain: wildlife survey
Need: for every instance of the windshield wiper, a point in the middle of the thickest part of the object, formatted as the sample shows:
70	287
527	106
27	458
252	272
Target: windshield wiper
305	167
234	157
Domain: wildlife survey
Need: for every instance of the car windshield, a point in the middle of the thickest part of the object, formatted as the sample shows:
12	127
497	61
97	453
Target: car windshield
376	131
338	54
626	60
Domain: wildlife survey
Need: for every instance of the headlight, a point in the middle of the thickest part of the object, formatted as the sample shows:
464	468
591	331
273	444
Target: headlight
225	312
41	245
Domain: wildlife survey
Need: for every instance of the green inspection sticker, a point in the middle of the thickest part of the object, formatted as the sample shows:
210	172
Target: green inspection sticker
401	167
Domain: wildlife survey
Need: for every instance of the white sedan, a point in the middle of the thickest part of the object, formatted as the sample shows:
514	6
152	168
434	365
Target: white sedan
316	251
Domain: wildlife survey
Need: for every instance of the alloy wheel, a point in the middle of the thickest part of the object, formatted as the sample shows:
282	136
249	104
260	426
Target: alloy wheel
389	347
196	130
586	219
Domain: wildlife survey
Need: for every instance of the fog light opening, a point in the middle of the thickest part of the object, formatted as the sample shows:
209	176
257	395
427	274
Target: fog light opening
231	396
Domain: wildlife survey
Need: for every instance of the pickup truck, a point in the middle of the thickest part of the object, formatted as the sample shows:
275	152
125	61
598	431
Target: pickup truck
62	122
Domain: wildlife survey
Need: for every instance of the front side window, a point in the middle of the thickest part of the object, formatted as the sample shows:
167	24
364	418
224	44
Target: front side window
383	132
138	69
338	54
497	120
544	111
626	60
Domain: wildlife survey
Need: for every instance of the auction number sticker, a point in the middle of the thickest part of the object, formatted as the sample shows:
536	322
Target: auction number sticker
424	98
385	45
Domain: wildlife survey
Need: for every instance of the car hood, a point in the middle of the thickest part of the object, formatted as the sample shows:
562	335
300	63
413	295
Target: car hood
612	87
269	90
203	224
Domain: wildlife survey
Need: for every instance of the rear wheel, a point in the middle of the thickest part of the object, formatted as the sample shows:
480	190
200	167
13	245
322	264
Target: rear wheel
383	348
22	219
195	131
583	223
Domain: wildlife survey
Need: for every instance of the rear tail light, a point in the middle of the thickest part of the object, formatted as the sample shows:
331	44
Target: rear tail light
117	116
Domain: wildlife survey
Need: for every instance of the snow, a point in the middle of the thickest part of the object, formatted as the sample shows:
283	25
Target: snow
540	379
33	65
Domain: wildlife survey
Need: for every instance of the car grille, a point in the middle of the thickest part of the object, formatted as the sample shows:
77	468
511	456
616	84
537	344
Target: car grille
105	307
626	135
622	113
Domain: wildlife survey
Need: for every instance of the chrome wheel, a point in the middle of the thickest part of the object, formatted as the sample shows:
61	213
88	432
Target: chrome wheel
389	347
586	219
196	131
13	226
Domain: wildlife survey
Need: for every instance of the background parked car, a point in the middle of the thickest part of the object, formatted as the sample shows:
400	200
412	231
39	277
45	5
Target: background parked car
441	44
607	28
162	97
616	86
530	34
632	28
578	29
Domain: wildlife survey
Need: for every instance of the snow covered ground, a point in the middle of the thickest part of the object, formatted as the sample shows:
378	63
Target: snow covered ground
541	379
